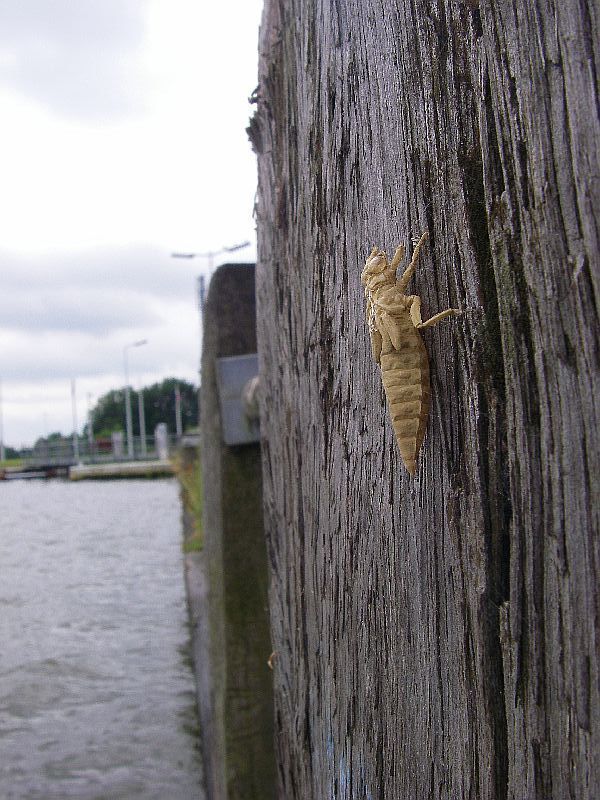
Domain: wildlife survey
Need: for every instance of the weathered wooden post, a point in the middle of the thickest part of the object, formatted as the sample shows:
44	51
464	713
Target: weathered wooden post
236	703
436	636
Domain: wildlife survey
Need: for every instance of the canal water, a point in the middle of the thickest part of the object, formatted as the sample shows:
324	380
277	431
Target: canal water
96	688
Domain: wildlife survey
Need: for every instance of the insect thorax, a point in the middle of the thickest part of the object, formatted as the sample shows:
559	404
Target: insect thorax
385	298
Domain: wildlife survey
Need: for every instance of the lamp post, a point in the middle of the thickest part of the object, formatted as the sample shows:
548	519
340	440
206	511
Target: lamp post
178	421
210	255
128	395
90	426
74	412
142	418
2	454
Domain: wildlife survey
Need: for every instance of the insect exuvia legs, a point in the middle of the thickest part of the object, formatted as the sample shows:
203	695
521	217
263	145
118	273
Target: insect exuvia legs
402	282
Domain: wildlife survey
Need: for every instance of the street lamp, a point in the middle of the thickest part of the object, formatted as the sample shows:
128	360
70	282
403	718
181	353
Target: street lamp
210	255
2	453
90	426
74	412
128	395
142	419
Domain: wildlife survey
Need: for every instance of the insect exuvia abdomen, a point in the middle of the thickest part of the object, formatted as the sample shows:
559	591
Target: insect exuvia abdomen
394	321
405	375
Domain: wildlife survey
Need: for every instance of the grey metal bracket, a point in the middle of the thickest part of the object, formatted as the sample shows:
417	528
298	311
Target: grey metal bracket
237	386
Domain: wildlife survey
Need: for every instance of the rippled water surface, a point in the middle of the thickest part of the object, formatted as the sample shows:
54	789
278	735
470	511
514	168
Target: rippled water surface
96	689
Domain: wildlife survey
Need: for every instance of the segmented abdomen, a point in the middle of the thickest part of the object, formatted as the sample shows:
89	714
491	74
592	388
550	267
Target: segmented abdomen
405	374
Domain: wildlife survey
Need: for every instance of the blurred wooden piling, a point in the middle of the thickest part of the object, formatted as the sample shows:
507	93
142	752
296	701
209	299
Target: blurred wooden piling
235	694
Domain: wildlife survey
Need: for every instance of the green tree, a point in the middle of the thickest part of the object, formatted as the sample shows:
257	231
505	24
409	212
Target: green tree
159	406
108	415
51	438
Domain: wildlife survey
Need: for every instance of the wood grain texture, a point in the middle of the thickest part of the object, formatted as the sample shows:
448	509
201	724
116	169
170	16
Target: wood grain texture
435	638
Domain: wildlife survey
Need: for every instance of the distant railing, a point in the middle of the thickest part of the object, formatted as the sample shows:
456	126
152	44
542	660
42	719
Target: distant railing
101	451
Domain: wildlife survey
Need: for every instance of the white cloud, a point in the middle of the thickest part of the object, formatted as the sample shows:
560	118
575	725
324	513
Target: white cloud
37	370
75	59
103	175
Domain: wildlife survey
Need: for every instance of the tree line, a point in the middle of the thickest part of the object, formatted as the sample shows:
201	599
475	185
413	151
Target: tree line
159	402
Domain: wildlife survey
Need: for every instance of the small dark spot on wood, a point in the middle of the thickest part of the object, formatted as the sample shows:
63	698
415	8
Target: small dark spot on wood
568	356
524	176
476	16
281	212
496	177
254	133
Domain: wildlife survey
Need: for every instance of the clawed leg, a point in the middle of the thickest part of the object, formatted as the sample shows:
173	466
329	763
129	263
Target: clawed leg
398	256
439	317
415	314
402	283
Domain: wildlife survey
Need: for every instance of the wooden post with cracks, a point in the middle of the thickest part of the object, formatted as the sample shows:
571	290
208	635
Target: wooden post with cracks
436	636
234	681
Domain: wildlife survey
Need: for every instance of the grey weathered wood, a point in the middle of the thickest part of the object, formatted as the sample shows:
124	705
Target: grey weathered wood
436	638
236	705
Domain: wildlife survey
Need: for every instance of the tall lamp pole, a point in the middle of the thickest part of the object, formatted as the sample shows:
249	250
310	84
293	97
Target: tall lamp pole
128	395
142	418
74	411
1	426
210	255
90	425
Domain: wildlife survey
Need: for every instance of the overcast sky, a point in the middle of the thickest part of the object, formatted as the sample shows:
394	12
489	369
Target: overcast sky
122	139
